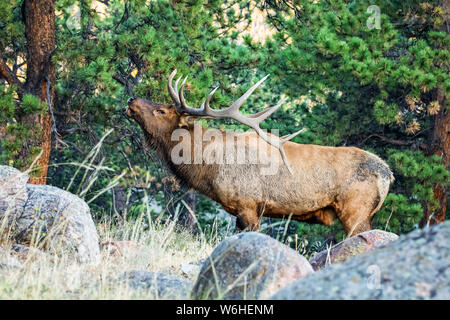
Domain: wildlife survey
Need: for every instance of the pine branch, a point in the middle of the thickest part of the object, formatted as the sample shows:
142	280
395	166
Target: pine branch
121	138
124	82
396	142
10	77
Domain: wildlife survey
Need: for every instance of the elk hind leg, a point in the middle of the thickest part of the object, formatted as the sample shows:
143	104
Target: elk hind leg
248	220
355	210
355	222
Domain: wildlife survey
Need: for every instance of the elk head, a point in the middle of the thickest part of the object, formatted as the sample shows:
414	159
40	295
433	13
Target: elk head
154	118
160	120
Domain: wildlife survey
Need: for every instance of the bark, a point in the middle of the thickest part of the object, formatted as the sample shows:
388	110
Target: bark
439	143
39	18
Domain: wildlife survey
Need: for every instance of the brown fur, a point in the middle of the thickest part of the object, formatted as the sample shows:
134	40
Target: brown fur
327	182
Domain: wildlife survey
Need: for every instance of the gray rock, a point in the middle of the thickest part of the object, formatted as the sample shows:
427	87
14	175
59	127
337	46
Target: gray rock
249	266
47	215
13	195
159	285
190	270
198	262
61	218
361	243
19	248
24	252
416	266
9	262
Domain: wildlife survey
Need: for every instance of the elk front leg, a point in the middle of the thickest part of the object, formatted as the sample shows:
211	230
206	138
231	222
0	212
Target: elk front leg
248	220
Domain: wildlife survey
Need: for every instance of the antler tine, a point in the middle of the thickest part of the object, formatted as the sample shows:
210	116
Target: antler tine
173	93
285	139
291	136
181	95
279	144
205	105
275	143
184	107
262	115
239	102
233	110
176	85
256	115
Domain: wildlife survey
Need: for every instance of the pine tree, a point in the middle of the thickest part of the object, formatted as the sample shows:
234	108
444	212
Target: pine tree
27	38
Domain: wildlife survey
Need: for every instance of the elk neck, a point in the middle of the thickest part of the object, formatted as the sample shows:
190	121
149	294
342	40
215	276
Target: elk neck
197	176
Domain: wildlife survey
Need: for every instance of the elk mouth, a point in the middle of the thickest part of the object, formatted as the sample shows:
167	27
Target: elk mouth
130	112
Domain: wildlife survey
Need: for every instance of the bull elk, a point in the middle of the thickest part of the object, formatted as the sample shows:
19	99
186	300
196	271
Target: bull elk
313	183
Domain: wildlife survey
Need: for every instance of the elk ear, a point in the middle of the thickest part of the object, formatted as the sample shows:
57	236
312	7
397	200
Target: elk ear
158	112
186	121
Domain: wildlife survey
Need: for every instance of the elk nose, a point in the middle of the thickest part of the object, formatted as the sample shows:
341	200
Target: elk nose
130	99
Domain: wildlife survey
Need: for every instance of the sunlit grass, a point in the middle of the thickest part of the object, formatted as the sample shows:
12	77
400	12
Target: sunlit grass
162	247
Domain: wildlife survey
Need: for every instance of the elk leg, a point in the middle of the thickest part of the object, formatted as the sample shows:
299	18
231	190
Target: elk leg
354	211
354	226
354	220
247	221
325	216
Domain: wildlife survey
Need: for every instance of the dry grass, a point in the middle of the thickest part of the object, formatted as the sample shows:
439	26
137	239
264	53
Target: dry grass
163	247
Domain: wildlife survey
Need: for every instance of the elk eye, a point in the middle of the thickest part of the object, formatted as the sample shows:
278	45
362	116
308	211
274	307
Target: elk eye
160	111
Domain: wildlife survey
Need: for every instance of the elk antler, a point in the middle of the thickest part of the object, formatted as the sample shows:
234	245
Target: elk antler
232	112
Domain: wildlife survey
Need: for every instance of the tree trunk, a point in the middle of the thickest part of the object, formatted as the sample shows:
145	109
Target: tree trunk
39	18
440	145
439	142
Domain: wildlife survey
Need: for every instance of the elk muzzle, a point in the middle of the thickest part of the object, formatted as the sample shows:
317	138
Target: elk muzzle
130	111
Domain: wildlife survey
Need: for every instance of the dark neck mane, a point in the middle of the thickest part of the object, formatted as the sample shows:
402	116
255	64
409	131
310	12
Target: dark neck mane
197	176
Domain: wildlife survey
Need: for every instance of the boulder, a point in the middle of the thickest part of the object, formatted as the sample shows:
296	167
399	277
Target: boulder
13	195
8	262
361	243
190	270
416	266
27	253
159	285
46	215
62	218
249	266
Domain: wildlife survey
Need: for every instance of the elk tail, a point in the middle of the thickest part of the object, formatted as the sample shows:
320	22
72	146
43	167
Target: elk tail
384	178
